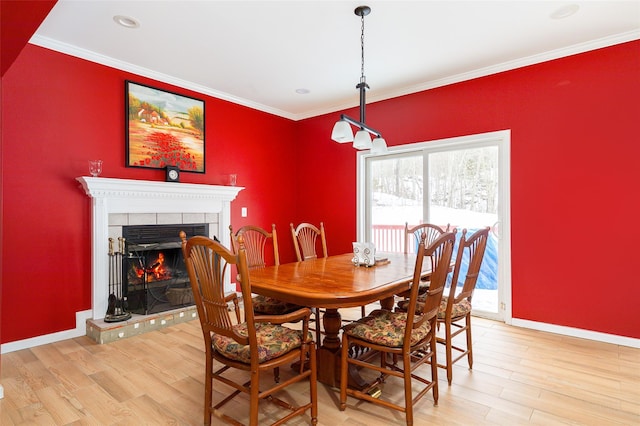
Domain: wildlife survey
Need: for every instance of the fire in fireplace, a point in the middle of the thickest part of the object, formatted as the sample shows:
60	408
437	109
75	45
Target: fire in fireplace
154	275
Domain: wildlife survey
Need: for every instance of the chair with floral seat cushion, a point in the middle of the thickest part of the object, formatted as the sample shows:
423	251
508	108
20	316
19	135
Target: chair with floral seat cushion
455	308
259	344
255	243
401	335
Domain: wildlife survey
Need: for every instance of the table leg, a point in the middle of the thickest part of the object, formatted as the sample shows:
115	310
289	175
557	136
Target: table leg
387	303
329	354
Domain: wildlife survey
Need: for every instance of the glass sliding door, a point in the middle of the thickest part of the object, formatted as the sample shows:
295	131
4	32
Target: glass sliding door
460	182
463	187
396	196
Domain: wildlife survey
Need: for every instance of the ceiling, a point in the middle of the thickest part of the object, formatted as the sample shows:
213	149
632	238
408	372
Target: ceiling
260	53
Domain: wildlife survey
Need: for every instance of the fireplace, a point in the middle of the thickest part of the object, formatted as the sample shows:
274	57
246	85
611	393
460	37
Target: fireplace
154	278
117	203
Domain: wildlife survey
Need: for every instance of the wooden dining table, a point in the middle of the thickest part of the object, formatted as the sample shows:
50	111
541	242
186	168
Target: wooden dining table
333	283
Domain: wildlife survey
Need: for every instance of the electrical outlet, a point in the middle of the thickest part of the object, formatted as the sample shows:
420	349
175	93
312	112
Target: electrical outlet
244	212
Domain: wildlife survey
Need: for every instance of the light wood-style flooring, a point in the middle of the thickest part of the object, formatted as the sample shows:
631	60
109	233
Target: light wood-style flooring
519	376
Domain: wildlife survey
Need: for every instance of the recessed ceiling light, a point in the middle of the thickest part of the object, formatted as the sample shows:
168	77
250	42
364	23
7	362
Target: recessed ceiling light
126	21
564	11
302	91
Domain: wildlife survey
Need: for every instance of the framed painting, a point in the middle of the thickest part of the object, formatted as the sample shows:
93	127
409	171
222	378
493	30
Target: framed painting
163	129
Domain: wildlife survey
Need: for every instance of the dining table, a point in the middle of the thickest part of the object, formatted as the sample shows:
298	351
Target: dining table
333	283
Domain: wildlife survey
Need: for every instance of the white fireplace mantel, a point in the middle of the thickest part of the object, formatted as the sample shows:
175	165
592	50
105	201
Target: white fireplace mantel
139	196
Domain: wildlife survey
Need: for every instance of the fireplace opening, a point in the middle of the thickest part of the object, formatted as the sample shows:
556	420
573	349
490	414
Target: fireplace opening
153	272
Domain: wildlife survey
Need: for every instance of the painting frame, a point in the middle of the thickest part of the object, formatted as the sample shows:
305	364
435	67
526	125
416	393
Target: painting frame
163	128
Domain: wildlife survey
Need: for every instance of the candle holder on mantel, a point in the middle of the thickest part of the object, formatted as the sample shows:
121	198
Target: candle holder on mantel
117	304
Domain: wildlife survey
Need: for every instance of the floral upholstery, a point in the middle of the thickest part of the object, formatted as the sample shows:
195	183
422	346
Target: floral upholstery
273	341
270	306
458	310
385	328
403	305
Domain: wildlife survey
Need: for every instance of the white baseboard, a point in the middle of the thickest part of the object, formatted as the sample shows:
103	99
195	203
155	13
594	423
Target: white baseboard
80	330
578	332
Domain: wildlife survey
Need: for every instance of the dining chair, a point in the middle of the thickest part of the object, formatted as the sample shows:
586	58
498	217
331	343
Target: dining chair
401	335
455	308
255	244
305	238
412	238
412	235
305	241
259	344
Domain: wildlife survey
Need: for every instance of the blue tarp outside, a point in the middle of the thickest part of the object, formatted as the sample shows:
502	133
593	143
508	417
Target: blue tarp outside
488	278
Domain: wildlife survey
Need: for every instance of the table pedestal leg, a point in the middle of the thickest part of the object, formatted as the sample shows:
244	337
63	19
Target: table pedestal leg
329	354
387	303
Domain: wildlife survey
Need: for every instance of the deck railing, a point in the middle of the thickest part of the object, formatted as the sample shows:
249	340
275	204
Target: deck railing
389	238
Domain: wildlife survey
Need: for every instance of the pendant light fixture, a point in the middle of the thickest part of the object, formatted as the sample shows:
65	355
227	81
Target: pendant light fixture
342	132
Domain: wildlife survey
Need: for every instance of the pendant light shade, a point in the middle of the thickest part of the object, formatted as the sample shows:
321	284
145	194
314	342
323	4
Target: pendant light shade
342	132
362	140
378	145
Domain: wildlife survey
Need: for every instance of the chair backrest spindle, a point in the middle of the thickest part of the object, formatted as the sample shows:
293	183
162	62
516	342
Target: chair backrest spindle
255	242
475	247
305	237
413	234
207	262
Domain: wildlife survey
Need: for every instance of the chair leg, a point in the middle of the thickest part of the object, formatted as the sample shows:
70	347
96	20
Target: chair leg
408	396
469	345
313	384
344	367
208	389
448	351
253	400
318	332
434	369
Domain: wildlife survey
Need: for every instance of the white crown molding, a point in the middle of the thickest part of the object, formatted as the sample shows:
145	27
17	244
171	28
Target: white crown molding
373	97
88	55
494	69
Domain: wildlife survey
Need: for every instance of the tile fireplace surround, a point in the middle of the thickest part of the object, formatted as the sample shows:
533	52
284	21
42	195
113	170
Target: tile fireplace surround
119	202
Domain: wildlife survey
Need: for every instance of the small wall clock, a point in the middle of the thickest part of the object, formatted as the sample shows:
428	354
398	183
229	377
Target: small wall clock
173	174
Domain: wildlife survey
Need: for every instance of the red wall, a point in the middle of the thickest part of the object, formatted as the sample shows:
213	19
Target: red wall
59	111
575	126
19	19
574	122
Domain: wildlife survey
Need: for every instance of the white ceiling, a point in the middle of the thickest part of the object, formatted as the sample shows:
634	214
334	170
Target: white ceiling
258	53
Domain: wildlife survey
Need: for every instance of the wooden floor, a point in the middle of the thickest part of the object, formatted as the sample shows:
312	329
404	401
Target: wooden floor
519	377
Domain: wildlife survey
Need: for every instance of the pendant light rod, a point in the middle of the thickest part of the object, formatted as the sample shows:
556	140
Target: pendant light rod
342	133
362	11
362	86
360	124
